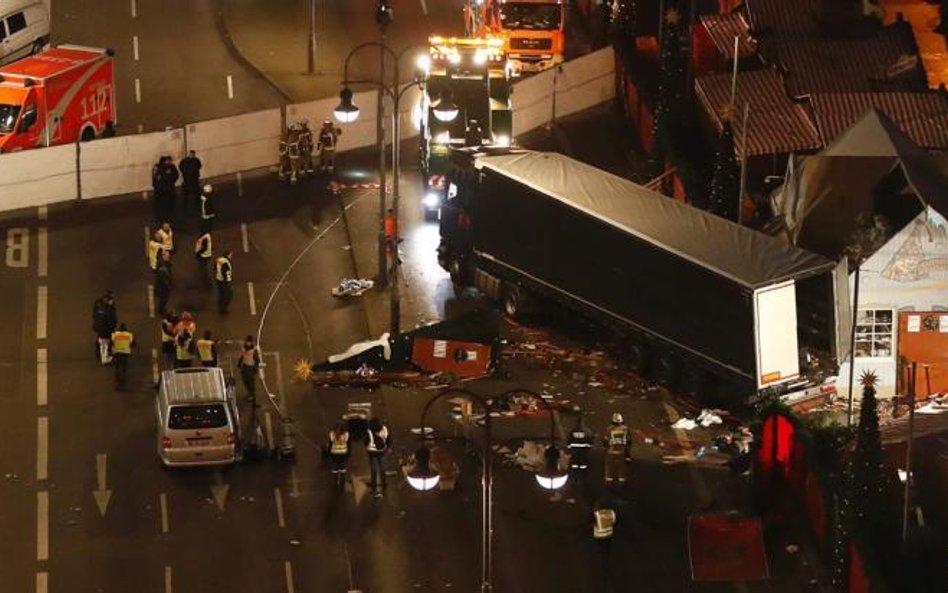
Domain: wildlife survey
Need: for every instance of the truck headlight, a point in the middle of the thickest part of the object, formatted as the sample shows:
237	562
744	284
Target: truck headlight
502	140
431	200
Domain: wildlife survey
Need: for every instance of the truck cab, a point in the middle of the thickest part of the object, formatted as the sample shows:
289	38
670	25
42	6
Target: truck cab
534	31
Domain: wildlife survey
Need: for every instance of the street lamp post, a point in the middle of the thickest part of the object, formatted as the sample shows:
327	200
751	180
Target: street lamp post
424	477
347	112
311	41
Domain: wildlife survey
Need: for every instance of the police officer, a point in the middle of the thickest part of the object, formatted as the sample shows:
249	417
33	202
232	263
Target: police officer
163	286
183	349
204	255
338	450
207	208
122	342
618	441
207	350
190	167
249	365
224	275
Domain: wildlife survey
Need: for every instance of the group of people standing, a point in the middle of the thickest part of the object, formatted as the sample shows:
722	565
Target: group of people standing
114	342
377	440
297	146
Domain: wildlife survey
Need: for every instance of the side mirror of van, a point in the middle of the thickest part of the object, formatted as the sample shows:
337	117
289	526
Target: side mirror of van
27	121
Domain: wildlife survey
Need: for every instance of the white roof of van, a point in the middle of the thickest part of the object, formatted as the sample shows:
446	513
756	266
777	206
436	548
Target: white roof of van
194	385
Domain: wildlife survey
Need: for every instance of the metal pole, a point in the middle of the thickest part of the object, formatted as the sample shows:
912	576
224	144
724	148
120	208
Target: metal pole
394	296
740	194
908	454
488	508
311	61
734	73
380	132
852	344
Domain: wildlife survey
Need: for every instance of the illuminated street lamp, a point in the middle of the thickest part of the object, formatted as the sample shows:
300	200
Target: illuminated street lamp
347	111
446	110
423	477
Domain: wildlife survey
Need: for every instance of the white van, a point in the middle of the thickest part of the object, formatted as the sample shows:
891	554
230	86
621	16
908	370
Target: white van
24	29
198	423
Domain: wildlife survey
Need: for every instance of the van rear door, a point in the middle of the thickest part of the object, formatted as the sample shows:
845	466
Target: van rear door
200	432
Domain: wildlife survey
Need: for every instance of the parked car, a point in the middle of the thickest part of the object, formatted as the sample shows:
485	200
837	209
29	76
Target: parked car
24	29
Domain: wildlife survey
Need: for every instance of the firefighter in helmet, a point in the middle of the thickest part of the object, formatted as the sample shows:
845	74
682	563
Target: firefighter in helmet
618	443
306	148
293	148
284	154
328	136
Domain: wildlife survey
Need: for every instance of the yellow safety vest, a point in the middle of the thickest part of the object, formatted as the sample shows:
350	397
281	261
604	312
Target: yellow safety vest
167	336
122	342
339	443
206	350
221	275
605	523
167	239
153	248
183	351
618	437
202	250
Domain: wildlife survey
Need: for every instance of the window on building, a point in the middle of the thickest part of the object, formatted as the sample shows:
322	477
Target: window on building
874	333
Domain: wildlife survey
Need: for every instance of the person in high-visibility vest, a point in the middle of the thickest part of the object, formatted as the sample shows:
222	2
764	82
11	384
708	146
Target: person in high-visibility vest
338	450
152	250
306	148
603	528
249	365
122	342
207	350
579	443
169	324
224	275
204	255
166	236
183	349
186	324
618	442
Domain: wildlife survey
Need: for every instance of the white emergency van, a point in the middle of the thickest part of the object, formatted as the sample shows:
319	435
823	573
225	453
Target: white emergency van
24	29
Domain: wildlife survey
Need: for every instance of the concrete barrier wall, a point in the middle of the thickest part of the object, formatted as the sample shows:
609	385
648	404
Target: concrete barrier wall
122	165
584	82
37	177
239	143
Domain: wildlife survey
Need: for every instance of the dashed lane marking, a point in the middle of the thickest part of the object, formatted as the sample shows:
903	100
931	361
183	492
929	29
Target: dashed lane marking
244	237
42	296
230	86
154	366
424	7
163	503
42	582
278	497
41	378
288	570
240	186
294	483
134	9
151	301
42	255
42	448
168	579
253	302
42	525
135	47
268	427
138	91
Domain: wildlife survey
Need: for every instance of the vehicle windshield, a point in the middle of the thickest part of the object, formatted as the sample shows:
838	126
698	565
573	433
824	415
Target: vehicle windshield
8	117
197	417
537	17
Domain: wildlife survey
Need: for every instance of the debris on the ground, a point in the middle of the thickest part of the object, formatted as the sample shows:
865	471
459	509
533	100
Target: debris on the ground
529	456
684	424
710	417
352	287
792	548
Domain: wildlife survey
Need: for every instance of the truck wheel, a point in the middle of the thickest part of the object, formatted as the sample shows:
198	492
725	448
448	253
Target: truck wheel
512	300
456	271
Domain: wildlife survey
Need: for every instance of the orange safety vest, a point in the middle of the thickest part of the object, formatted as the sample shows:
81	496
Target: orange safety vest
338	443
122	342
390	227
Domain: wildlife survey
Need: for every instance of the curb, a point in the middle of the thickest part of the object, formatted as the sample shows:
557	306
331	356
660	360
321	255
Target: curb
238	54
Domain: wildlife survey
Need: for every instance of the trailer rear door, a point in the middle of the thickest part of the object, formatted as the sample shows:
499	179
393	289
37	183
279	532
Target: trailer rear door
775	317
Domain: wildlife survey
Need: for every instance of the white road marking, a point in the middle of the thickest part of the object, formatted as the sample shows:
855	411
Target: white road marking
42	582
42	448
244	237
42	255
151	301
163	502
134	9
424	7
102	495
41	378
240	186
154	366
135	47
279	375
168	579
230	87
294	483
278	497
268	426
219	490
43	212
42	525
138	91
42	299
141	130
288	569
253	303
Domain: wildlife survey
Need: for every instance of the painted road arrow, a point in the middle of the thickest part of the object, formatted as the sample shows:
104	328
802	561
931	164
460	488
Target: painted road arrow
219	490
101	495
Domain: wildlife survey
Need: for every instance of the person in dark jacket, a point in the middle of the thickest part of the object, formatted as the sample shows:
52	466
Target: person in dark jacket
377	442
162	288
165	175
190	167
104	322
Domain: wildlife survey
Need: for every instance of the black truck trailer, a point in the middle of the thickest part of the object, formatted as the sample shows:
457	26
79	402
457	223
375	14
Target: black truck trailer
707	306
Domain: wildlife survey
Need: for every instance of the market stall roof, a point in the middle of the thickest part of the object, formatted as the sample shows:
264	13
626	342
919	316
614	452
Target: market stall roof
723	247
923	117
723	28
775	123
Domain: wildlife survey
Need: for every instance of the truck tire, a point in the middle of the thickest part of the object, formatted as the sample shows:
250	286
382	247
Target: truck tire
88	133
456	271
513	300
